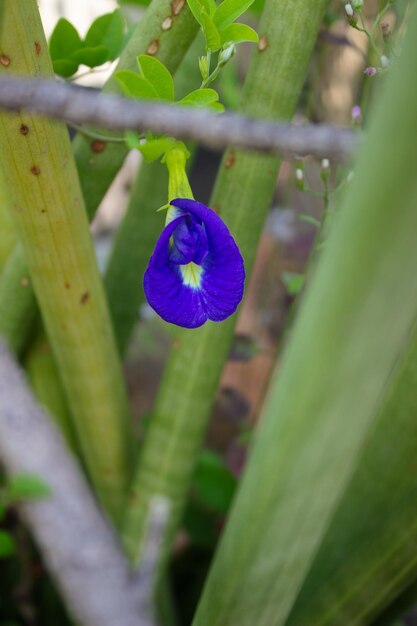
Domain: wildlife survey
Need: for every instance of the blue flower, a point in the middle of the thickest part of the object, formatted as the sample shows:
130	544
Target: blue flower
196	272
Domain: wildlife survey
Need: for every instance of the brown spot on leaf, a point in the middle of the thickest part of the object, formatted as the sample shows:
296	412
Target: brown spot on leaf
85	297
177	6
38	48
24	130
98	146
153	47
24	281
4	60
67	286
263	43
216	209
35	170
167	23
230	159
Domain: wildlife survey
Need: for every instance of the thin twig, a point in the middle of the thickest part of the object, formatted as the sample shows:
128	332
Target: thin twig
77	544
77	105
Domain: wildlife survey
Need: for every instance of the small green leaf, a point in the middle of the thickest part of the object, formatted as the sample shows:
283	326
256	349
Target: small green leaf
229	10
136	86
200	97
197	7
157	75
238	33
203	98
7	544
214	484
152	150
64	40
26	487
65	67
92	57
107	30
293	282
211	34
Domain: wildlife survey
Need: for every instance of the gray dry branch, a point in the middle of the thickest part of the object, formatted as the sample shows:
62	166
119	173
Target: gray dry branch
77	105
77	544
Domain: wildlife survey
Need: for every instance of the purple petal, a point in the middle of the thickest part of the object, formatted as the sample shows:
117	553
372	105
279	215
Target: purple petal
220	270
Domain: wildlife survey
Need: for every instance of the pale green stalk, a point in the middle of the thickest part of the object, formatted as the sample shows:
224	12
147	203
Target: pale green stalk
242	196
352	331
17	301
46	199
7	228
40	365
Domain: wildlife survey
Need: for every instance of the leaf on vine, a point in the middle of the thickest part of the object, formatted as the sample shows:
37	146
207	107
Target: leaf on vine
202	98
211	34
157	75
64	42
238	33
92	57
108	31
229	10
136	86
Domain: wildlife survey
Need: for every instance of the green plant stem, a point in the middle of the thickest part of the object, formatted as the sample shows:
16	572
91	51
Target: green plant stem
7	228
97	169
17	301
242	197
46	199
352	333
42	371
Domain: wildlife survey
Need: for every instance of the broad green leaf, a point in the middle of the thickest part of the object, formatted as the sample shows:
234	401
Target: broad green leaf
238	33
229	10
211	34
107	30
157	75
293	282
353	330
65	67
136	86
197	7
92	57
200	97
203	98
154	149
26	487
64	41
213	482
7	545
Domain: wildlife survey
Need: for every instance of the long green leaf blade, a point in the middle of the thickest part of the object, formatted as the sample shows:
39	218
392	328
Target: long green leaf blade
343	351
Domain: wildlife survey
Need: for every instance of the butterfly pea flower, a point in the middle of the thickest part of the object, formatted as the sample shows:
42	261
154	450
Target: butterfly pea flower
196	272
